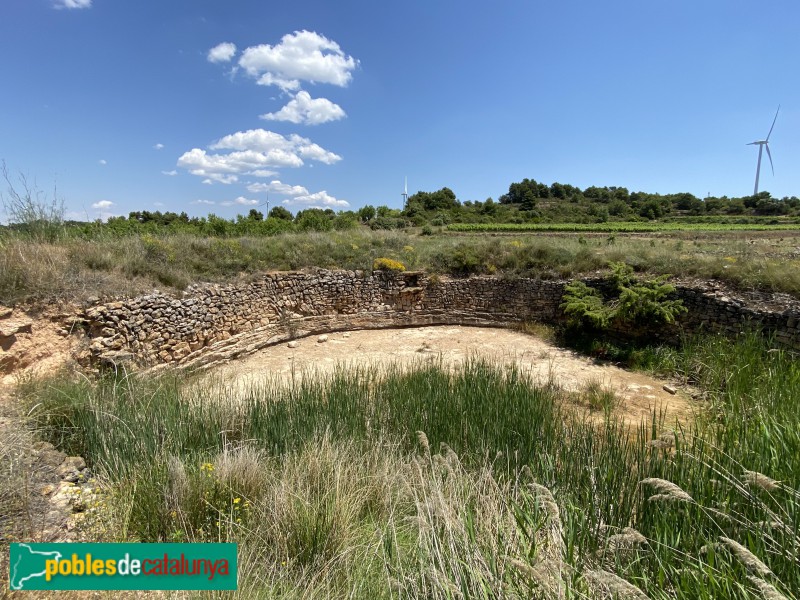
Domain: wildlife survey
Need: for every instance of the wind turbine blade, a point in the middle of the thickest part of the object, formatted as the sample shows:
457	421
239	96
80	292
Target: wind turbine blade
770	159
773	122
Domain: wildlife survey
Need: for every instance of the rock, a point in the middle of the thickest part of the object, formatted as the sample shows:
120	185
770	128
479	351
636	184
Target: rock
322	339
181	350
293	344
48	489
52	458
346	334
64	495
14	326
115	358
5	312
669	389
70	469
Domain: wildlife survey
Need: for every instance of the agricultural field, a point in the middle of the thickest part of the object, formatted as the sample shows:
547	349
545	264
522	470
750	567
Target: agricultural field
625	227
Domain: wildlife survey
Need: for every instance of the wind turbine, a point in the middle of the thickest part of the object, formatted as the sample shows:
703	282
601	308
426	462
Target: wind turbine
761	145
405	193
267	203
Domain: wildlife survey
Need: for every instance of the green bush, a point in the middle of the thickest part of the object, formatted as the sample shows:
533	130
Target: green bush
584	306
634	302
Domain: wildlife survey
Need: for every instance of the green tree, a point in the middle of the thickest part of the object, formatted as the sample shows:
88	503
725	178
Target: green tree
443	199
366	213
385	211
525	193
315	219
489	207
279	212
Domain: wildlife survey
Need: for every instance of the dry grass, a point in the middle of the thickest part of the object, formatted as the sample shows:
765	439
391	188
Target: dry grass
668	491
73	269
15	450
341	488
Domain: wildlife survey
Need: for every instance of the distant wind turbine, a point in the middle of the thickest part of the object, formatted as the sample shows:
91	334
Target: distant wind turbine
761	145
405	193
267	203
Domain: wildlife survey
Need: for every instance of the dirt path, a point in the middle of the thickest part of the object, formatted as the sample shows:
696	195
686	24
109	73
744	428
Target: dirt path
639	394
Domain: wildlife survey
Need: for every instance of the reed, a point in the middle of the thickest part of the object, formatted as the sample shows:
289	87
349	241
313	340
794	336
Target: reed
333	485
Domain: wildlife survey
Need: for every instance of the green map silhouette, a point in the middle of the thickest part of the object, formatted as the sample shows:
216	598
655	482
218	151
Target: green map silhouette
26	564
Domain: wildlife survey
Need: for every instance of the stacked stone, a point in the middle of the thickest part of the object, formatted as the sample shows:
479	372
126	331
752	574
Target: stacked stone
158	328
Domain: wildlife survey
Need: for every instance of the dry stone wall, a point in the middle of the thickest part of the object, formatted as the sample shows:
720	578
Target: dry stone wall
217	322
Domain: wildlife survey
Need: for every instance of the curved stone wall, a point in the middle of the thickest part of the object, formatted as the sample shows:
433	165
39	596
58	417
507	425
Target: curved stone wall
217	322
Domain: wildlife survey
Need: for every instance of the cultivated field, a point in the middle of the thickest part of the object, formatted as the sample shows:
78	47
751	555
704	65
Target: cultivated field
625	227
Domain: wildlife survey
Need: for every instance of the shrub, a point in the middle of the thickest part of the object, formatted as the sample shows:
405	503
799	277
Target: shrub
387	264
635	302
387	223
584	306
462	260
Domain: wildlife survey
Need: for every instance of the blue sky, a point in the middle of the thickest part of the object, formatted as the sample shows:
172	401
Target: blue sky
209	106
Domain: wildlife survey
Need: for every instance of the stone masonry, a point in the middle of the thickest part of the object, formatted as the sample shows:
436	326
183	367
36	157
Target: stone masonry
218	322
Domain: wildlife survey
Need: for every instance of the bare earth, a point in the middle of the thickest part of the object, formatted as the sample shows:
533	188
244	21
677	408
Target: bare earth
639	394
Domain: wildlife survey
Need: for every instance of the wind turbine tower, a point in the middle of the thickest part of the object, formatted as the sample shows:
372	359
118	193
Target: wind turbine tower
265	203
405	193
761	145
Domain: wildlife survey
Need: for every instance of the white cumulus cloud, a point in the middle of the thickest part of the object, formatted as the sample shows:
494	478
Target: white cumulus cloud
314	152
73	4
203	202
170	173
222	53
102	161
317	200
307	110
278	188
103	204
158	146
263	173
300	56
253	152
218	177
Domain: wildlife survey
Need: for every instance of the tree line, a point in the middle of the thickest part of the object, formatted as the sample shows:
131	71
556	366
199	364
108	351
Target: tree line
532	201
526	201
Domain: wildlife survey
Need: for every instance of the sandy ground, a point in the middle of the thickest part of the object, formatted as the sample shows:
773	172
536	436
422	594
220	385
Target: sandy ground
639	394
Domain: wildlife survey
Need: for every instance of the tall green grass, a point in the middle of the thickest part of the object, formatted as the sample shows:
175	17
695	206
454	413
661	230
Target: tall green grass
332	490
